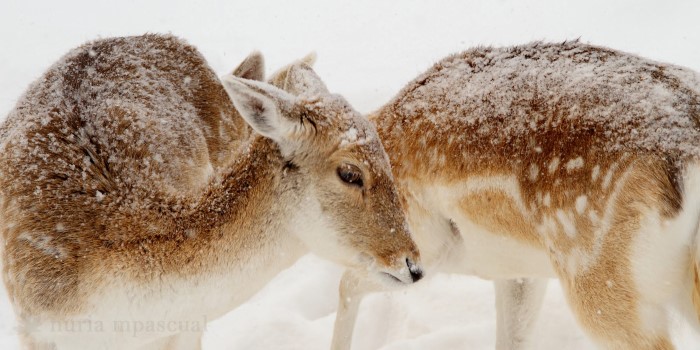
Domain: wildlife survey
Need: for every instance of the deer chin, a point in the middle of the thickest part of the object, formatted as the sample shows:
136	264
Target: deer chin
392	280
391	276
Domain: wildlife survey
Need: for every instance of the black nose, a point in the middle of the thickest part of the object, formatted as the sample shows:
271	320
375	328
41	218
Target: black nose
415	270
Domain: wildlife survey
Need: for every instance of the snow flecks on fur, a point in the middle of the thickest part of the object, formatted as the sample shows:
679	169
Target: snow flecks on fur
77	119
111	127
44	244
349	137
508	93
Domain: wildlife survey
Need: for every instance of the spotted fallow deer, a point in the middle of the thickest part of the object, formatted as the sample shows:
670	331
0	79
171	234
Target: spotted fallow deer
136	202
552	160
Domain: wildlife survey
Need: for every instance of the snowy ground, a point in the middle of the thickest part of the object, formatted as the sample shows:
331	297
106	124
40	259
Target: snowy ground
367	50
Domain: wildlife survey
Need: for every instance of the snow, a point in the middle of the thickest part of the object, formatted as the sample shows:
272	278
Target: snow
368	50
504	94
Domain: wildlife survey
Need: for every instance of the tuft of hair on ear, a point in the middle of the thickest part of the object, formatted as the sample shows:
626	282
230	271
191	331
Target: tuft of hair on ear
252	67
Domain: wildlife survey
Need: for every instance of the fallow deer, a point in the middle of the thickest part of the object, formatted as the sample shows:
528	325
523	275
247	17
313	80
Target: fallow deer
133	193
566	160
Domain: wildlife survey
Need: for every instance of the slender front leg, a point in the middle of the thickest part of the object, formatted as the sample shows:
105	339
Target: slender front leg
352	290
518	302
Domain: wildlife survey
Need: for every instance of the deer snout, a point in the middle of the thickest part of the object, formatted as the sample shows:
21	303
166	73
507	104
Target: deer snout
405	271
415	270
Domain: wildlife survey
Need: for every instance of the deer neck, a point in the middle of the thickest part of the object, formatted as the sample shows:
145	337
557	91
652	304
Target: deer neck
249	210
236	235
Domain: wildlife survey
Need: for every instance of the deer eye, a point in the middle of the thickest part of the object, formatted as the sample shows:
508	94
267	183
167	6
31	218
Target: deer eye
350	174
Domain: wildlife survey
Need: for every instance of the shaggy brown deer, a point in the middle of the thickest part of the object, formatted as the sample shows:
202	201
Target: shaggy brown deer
136	203
552	160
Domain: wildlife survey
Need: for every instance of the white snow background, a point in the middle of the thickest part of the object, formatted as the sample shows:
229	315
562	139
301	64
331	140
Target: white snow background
367	50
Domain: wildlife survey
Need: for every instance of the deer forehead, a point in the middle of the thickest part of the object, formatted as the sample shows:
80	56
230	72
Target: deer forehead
329	110
353	135
360	140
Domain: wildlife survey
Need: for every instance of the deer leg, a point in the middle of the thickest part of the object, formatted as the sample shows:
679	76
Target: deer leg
518	302
352	290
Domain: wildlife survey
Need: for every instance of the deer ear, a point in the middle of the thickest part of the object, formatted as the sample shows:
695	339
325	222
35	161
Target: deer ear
279	78
301	79
264	107
253	67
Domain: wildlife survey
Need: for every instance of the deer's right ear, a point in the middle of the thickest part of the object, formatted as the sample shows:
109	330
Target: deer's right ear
253	67
265	108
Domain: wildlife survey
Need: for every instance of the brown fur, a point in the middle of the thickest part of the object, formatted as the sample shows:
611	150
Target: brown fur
103	180
696	289
478	115
536	144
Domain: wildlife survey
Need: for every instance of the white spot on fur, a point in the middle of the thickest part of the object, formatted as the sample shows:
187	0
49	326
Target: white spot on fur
60	227
547	200
581	203
533	172
538	149
607	179
576	259
547	226
505	184
553	165
595	172
99	196
602	225
593	216
574	164
567	222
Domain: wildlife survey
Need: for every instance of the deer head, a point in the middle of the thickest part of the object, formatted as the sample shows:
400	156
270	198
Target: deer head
350	212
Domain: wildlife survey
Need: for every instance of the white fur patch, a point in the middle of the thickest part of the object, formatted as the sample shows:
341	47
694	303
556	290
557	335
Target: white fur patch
595	172
581	203
660	256
553	165
482	253
567	222
574	164
533	172
547	199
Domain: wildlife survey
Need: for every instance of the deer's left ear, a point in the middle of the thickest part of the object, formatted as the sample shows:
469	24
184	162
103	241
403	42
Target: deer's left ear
279	78
302	79
267	109
253	67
